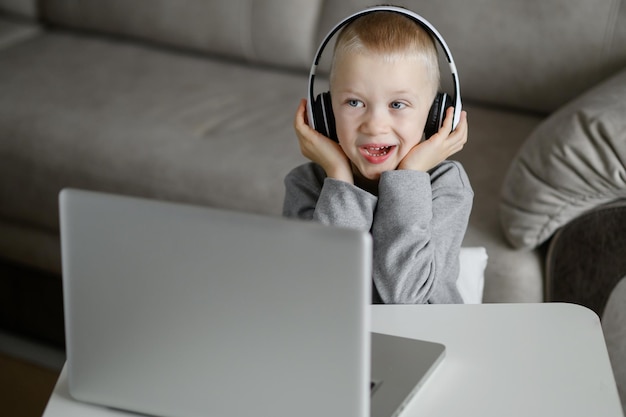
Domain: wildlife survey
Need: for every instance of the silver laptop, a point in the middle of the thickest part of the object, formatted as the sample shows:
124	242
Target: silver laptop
177	310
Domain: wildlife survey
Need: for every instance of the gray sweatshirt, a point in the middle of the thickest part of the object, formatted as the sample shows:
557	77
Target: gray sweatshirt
417	223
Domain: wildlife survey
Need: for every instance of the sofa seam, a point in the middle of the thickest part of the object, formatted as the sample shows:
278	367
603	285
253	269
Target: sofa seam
246	30
609	34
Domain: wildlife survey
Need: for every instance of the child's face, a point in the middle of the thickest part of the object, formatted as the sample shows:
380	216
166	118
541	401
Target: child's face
380	109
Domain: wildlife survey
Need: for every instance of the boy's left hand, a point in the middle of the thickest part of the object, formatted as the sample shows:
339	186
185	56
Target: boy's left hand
440	146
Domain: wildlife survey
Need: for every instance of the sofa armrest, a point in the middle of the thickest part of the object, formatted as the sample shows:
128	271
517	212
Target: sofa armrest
573	162
587	257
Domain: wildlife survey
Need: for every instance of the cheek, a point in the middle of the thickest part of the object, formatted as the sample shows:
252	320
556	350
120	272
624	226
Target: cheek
344	123
412	130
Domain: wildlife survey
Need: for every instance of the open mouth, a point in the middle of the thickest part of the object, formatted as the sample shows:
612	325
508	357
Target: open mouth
377	151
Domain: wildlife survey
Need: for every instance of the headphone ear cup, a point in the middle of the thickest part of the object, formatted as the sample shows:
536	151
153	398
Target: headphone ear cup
324	116
437	113
330	117
318	115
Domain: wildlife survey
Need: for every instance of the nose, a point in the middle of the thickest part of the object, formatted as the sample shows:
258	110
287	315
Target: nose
375	121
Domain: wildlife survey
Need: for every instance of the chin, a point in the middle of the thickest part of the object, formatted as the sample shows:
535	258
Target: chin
371	176
372	173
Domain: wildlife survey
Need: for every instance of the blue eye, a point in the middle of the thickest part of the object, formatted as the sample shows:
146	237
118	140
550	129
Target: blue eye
396	105
355	103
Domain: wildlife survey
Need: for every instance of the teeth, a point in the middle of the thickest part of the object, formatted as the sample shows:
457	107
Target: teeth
378	151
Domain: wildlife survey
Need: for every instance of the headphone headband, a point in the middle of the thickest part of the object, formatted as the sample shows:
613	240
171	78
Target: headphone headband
413	16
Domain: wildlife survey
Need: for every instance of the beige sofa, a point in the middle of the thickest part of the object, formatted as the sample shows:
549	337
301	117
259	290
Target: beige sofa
193	101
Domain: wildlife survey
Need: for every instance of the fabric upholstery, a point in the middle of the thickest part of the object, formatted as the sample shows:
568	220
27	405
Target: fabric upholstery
527	55
586	259
13	32
494	137
132	120
23	8
573	162
271	32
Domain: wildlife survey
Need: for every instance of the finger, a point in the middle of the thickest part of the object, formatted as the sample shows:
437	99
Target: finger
305	111
462	128
460	134
300	122
446	126
300	114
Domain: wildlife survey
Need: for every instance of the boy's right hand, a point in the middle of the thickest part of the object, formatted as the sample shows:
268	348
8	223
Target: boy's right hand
320	149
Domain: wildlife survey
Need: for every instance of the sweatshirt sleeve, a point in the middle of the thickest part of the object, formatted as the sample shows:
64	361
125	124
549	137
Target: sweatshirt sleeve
310	195
418	227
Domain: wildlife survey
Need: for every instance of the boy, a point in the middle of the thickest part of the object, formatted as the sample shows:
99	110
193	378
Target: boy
381	177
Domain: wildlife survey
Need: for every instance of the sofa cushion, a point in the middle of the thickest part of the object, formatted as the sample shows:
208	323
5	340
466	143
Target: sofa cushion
268	32
527	55
23	8
573	162
99	114
13	31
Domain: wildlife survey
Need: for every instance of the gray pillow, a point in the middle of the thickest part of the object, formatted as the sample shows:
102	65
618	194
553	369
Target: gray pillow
572	162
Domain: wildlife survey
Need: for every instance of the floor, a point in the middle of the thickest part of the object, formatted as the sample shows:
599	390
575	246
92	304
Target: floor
31	339
28	373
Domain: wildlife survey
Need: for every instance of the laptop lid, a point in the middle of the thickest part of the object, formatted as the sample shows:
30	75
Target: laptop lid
176	310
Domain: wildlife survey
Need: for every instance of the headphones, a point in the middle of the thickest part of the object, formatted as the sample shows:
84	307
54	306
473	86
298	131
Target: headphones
320	112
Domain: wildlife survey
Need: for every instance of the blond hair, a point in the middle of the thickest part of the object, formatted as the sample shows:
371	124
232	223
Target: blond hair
392	36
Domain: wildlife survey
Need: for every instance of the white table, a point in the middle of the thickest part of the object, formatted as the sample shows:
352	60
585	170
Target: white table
502	360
